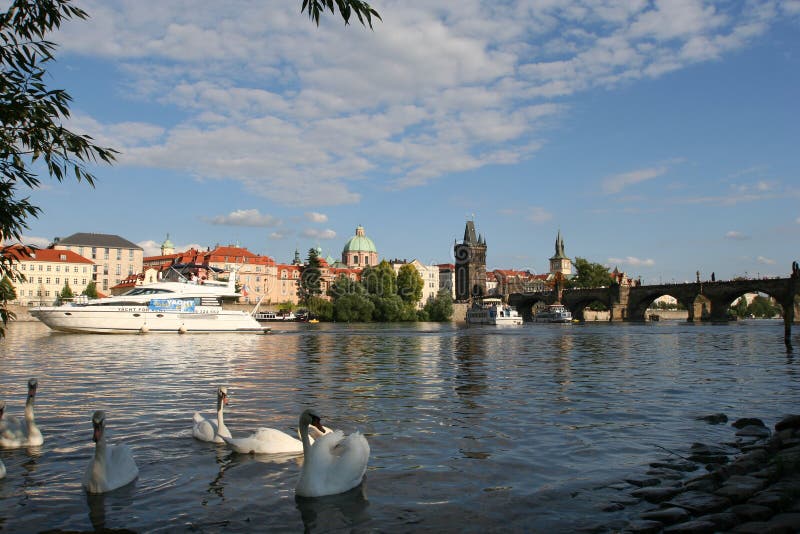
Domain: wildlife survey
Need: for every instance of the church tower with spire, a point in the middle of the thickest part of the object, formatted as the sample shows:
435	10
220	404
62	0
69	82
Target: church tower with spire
470	256
560	263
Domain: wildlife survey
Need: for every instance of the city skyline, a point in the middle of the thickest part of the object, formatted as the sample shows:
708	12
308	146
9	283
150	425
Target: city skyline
657	137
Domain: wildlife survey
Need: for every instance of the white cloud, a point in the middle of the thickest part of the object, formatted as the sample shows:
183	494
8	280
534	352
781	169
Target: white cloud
460	85
537	214
250	217
765	261
313	233
632	261
313	216
615	184
738	236
153	248
34	241
280	235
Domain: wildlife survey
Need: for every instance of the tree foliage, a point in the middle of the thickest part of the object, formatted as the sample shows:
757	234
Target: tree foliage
33	137
409	284
353	307
380	280
66	291
590	274
91	290
310	278
347	8
441	307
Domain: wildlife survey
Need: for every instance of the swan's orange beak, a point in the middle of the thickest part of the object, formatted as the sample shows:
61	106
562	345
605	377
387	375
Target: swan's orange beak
98	431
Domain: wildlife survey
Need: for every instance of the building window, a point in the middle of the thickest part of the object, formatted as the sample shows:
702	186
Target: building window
58	280
119	254
49	267
355	260
119	269
39	280
130	255
105	269
47	281
105	253
94	253
75	281
80	250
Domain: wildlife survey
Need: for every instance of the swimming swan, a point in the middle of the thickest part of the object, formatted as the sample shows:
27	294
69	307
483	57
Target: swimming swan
112	466
2	469
15	433
272	441
208	429
334	463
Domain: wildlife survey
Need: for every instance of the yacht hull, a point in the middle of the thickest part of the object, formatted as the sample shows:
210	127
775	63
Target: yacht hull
133	320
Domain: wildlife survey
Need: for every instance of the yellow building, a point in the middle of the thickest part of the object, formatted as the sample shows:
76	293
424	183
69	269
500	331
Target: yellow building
114	258
46	272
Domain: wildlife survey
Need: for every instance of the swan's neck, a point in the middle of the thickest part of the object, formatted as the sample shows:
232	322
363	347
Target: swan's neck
29	411
306	443
100	449
220	422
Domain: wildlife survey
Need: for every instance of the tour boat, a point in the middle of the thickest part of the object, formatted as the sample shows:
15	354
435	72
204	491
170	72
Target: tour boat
493	311
177	305
555	313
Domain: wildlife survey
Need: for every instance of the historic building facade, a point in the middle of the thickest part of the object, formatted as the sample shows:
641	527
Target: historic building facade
45	272
114	257
360	251
470	256
560	263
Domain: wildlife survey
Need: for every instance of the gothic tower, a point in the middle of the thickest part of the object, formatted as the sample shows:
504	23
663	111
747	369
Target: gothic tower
470	258
560	263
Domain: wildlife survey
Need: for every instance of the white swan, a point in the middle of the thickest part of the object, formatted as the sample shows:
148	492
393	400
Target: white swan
15	433
2	469
334	463
272	441
112	466
208	429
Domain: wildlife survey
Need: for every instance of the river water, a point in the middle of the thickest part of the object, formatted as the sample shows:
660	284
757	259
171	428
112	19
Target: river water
507	429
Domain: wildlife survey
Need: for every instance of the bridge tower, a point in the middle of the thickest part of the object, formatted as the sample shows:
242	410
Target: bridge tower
560	263
470	256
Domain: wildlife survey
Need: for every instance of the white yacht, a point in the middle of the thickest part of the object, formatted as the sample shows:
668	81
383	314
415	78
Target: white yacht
554	313
493	311
177	305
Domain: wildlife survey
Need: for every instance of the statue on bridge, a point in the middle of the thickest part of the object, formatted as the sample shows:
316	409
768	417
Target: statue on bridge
795	270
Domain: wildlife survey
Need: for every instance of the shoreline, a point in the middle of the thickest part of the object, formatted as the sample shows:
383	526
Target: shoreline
748	485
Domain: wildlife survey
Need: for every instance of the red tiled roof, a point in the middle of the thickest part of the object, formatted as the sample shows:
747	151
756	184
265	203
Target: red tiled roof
20	253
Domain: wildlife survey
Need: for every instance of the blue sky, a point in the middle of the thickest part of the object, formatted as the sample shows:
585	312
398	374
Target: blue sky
660	137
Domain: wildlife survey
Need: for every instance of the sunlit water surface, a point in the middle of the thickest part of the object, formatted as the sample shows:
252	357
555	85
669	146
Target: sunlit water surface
528	428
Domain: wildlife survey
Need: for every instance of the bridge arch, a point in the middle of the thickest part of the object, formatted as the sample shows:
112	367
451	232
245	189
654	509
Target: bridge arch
638	309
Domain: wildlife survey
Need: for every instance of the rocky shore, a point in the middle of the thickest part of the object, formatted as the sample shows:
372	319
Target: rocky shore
750	485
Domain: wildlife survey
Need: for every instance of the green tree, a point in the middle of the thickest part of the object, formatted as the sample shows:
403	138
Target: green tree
343	285
409	284
353	307
361	9
310	278
740	309
441	307
380	280
91	290
33	137
66	291
590	274
320	308
762	306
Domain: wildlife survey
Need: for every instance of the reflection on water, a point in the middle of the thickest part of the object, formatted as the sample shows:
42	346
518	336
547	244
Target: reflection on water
469	429
345	512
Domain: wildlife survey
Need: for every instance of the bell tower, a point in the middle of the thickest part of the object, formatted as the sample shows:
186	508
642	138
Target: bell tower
470	256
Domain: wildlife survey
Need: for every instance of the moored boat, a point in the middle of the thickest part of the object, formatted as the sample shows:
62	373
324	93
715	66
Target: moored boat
554	313
178	305
493	311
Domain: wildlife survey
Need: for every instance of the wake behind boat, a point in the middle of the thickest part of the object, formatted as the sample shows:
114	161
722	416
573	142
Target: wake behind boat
493	311
177	305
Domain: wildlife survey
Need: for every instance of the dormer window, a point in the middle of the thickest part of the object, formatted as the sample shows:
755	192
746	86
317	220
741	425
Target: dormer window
63	257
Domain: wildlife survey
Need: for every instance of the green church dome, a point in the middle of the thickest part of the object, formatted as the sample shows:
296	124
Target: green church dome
359	243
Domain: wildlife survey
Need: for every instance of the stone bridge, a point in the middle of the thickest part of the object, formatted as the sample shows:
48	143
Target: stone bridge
705	300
